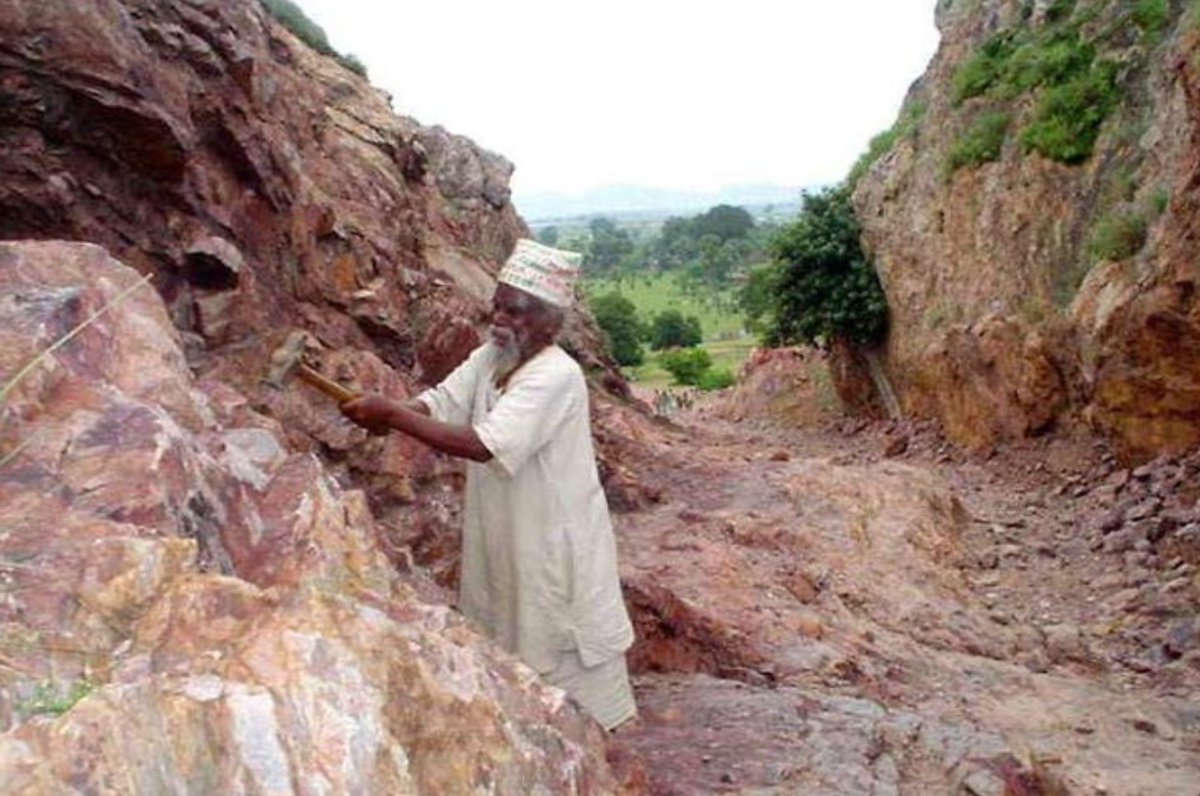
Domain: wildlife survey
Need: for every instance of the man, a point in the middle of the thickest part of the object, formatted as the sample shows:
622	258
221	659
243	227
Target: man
539	568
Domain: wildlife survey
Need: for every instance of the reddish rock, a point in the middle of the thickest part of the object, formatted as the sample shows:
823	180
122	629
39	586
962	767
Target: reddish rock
1002	324
266	188
783	384
224	610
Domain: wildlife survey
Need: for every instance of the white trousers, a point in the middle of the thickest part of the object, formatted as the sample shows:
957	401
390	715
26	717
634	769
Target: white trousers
603	691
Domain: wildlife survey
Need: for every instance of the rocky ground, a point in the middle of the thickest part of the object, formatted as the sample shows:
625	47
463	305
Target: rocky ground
861	608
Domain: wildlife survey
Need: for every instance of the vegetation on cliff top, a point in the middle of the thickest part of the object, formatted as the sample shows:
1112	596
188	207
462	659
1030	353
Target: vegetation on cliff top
292	17
1061	62
906	125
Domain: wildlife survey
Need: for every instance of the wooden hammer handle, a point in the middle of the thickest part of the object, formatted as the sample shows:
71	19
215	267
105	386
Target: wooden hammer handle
328	386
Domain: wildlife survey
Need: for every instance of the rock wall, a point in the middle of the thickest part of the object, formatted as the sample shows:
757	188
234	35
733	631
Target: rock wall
268	188
187	607
1005	322
225	571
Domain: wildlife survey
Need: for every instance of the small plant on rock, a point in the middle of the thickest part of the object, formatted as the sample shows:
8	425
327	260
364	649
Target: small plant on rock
981	143
1069	116
906	125
48	698
1117	237
1152	17
292	17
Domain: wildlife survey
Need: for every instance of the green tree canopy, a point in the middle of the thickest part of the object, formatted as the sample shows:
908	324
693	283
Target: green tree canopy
670	329
686	365
826	286
608	247
725	221
623	330
757	297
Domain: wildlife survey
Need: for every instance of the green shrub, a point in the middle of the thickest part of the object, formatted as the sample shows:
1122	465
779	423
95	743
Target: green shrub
981	143
984	68
716	379
826	285
1078	90
1051	60
1060	10
1117	237
1151	16
671	329
756	298
686	365
623	331
1159	201
48	699
351	62
292	17
1069	116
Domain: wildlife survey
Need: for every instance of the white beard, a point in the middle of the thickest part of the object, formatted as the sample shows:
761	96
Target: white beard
508	353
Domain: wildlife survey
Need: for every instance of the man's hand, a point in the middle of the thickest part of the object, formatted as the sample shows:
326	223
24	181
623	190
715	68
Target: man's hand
379	415
372	411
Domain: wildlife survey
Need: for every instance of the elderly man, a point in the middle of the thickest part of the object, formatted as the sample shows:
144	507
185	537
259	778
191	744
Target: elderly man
539	568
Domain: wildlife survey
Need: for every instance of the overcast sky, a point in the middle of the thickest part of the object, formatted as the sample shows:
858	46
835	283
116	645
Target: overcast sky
663	93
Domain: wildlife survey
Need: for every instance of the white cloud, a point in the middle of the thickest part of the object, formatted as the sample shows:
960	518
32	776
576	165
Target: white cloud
649	92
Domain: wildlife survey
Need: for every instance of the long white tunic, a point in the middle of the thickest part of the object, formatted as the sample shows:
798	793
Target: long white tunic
539	563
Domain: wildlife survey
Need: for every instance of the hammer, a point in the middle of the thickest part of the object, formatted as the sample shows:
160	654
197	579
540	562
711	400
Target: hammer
287	359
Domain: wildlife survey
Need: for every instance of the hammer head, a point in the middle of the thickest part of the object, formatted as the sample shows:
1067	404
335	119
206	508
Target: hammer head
285	358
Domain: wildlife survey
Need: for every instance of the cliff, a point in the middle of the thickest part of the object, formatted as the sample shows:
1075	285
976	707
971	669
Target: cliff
266	188
223	568
1034	224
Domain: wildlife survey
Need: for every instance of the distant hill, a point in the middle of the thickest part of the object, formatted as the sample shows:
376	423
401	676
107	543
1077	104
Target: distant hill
545	206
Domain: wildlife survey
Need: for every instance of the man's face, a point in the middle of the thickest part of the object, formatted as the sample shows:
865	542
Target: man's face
516	320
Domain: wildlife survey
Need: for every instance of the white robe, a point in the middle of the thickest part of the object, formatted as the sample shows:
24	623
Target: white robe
539	563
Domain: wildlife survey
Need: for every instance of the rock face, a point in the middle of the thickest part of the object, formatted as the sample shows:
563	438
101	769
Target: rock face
265	187
789	385
189	608
1007	318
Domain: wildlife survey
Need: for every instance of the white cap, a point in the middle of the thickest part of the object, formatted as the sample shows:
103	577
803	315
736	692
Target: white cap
541	271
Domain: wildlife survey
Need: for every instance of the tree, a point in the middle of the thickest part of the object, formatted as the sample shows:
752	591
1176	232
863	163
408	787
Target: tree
623	331
826	286
670	329
686	365
548	236
758	296
608	247
725	221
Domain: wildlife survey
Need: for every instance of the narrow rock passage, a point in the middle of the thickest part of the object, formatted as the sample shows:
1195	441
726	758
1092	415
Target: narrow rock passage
818	618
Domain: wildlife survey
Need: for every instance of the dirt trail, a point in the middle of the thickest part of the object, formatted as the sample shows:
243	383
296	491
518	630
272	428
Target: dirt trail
865	610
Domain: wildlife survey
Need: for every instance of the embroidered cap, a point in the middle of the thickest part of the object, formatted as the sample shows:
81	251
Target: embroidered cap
541	271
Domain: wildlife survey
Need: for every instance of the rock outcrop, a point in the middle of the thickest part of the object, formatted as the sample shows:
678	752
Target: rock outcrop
188	607
785	385
220	576
1027	293
266	187
834	622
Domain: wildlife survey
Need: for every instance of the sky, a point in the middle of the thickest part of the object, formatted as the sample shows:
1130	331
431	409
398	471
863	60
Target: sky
662	93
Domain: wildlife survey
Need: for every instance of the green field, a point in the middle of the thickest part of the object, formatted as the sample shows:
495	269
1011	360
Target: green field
724	338
726	355
654	293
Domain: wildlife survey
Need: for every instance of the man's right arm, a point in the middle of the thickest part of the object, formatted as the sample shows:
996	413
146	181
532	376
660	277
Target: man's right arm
378	414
